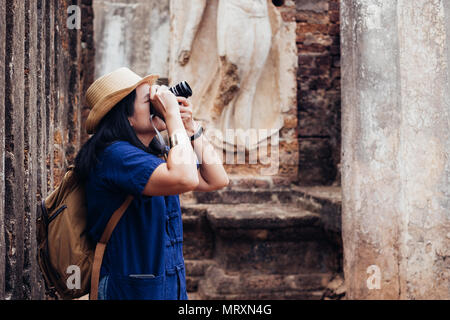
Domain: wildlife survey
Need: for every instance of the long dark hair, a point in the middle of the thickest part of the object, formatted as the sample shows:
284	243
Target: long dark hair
113	127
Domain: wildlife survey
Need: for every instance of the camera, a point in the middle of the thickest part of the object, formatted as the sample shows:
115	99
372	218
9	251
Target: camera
181	89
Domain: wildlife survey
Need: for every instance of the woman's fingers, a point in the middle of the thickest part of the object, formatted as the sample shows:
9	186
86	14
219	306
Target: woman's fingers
183	100
162	94
161	88
186	113
157	90
153	91
186	109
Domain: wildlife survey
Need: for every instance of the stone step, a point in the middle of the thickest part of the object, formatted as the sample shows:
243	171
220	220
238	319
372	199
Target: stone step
325	200
259	216
197	233
313	197
295	201
255	182
266	249
283	250
248	221
195	271
198	268
261	236
262	222
205	224
220	284
193	296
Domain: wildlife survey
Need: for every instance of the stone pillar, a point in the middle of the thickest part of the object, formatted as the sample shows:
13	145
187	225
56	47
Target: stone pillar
2	149
41	92
396	148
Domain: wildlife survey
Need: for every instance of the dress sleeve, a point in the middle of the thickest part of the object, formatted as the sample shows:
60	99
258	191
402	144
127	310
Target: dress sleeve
128	168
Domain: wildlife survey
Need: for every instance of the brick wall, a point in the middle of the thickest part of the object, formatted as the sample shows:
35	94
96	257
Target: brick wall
318	99
44	67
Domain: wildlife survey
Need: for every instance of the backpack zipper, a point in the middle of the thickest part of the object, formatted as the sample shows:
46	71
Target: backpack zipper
56	213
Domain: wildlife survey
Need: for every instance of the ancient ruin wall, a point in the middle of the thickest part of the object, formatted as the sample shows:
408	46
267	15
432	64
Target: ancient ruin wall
44	68
319	91
396	149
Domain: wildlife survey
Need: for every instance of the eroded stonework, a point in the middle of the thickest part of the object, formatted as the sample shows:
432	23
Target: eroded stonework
241	80
396	148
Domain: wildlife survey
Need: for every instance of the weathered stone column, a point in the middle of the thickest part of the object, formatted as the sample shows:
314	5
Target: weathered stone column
396	148
44	67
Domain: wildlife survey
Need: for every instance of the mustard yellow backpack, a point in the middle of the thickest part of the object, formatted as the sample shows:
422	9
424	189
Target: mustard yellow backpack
68	259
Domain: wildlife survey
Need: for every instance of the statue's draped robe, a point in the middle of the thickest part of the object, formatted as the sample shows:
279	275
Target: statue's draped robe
233	68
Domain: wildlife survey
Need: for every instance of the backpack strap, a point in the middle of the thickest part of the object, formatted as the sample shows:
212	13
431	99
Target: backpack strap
101	246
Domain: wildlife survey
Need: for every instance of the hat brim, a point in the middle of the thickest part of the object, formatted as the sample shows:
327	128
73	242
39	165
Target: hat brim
103	106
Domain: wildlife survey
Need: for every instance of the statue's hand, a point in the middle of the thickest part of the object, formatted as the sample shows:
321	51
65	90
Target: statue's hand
183	57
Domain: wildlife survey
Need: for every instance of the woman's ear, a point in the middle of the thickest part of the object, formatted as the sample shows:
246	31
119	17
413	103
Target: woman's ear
130	120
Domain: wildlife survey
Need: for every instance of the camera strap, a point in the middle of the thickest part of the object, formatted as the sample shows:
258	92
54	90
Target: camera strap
160	137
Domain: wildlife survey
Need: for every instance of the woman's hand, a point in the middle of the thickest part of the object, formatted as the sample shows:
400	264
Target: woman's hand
163	100
190	125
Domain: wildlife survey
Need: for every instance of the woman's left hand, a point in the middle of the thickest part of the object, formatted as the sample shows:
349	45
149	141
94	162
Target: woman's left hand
190	124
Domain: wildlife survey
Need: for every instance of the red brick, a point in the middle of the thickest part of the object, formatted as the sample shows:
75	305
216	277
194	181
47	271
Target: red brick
323	61
335	49
336	40
312	71
313	17
305	60
300	37
334	29
304	27
312	48
333	6
334	16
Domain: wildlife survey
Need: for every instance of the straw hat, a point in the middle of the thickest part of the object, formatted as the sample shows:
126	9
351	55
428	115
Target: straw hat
108	90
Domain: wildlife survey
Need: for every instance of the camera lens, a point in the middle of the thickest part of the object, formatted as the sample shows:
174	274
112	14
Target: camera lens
182	89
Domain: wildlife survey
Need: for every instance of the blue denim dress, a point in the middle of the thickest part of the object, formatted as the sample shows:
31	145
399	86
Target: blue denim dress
144	256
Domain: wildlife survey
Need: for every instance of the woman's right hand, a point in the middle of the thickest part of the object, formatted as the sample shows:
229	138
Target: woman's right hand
163	100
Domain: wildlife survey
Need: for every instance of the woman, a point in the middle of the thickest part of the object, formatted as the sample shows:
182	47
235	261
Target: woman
143	258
